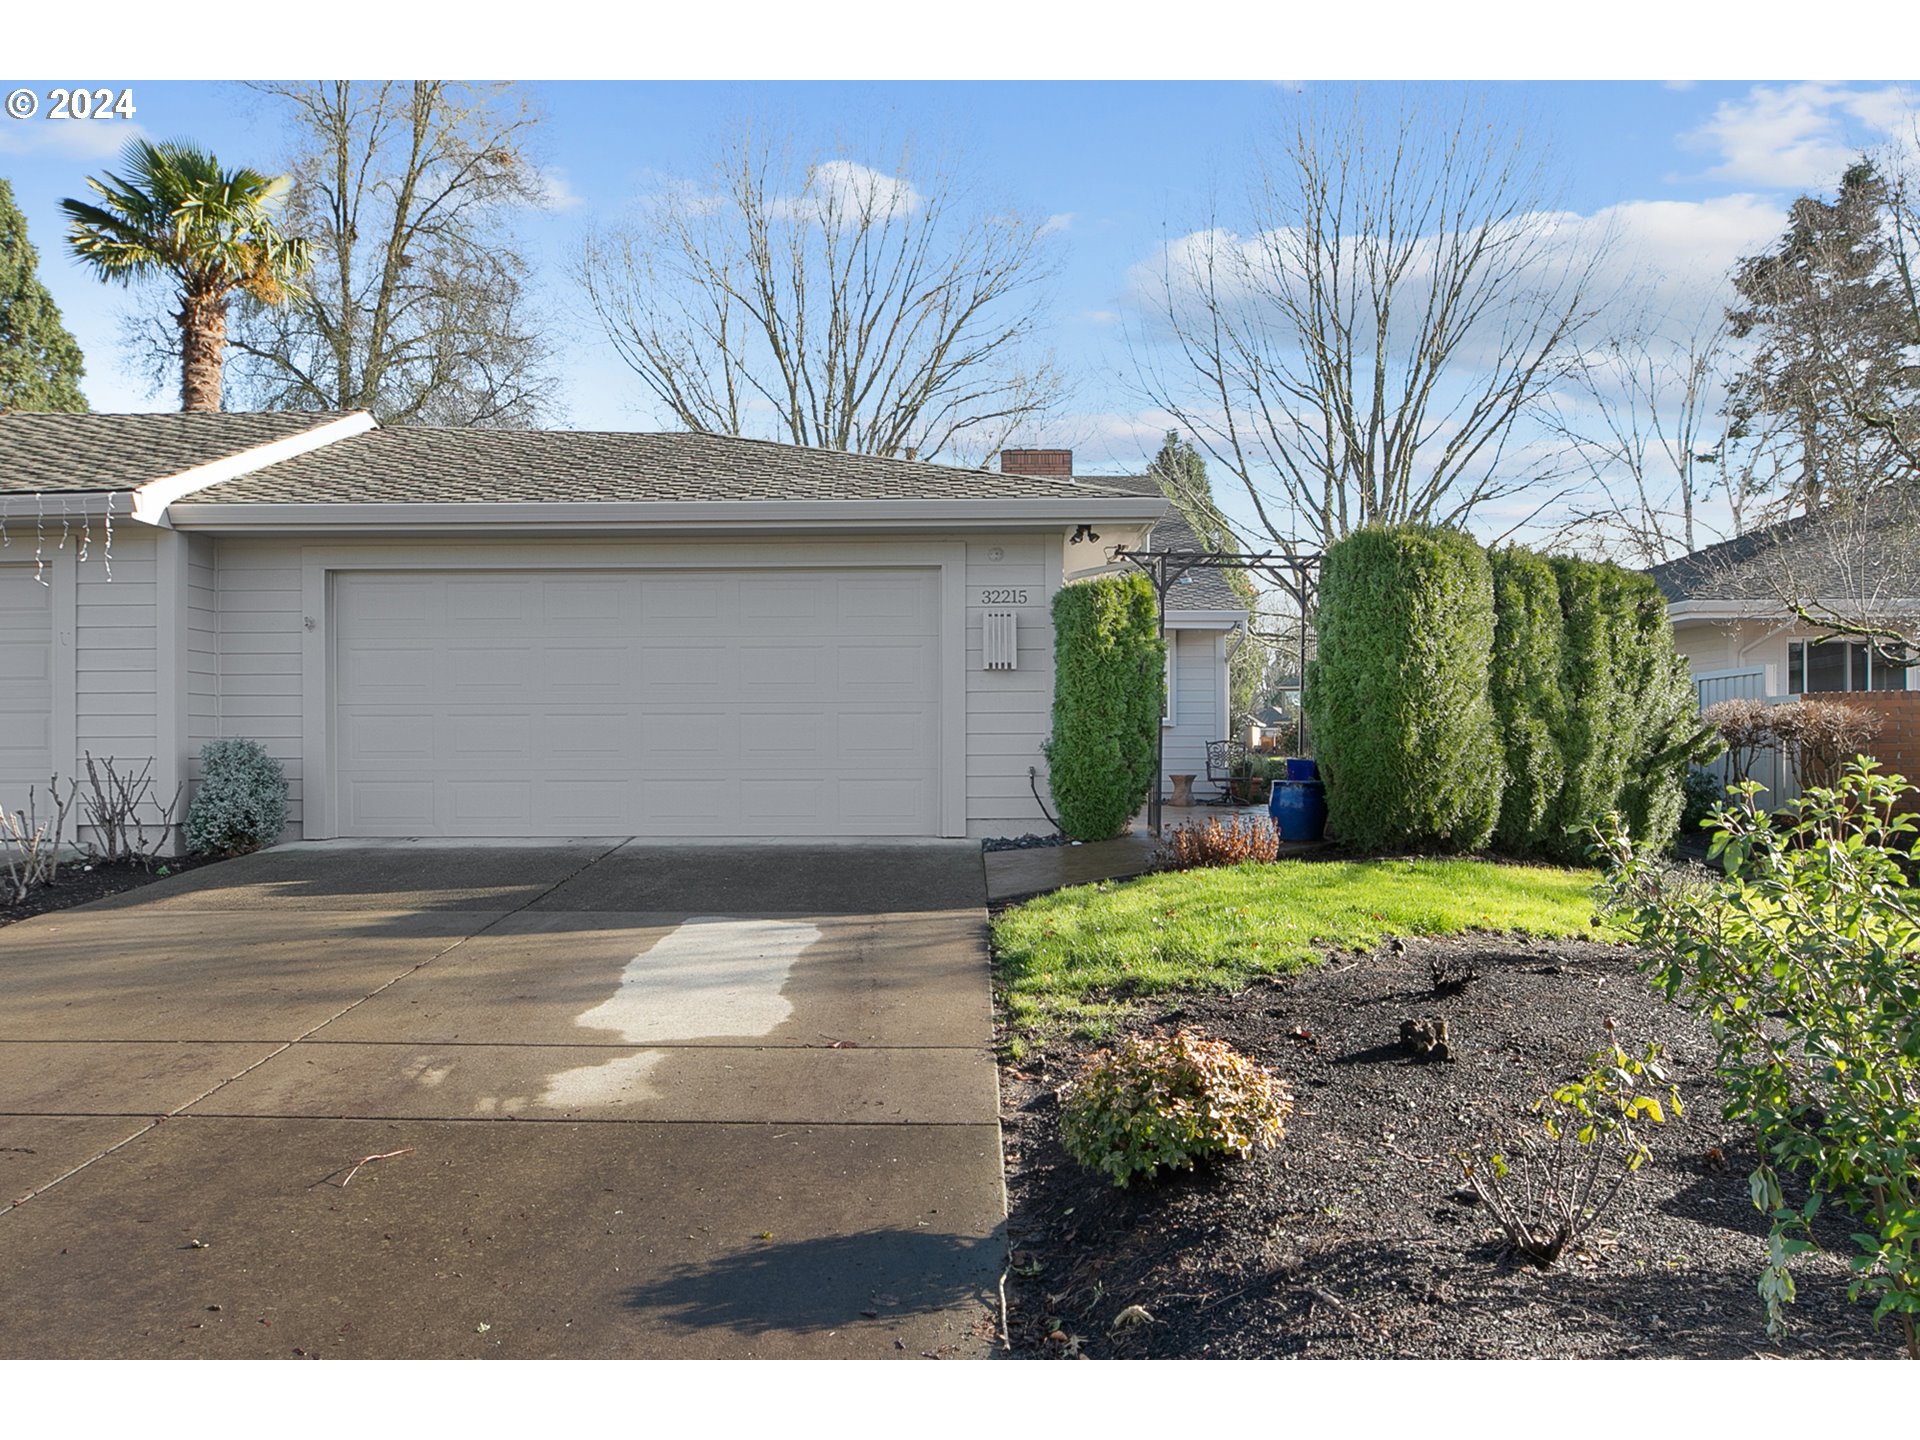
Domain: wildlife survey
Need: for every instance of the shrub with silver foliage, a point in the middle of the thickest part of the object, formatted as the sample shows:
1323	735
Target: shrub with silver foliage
241	801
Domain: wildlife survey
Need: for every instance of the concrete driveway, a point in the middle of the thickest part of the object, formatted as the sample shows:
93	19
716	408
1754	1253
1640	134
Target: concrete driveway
696	1101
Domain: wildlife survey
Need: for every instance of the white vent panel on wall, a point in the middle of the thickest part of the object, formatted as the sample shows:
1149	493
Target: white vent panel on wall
999	642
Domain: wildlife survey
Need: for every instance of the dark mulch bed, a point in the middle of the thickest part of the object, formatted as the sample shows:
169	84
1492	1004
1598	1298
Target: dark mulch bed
1349	1239
80	883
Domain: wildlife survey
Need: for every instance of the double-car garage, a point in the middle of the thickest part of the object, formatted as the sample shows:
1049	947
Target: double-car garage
657	702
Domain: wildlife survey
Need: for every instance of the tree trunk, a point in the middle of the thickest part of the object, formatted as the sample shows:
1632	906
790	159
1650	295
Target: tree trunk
203	342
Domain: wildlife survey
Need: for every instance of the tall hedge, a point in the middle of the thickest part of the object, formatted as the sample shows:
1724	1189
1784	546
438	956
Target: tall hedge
1668	731
1109	670
1398	697
1524	679
1627	726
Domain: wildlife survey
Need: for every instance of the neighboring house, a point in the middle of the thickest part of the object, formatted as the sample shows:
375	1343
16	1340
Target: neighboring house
1270	726
512	633
1205	621
1741	640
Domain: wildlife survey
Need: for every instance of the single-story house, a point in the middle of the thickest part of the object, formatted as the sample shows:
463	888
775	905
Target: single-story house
467	632
1741	639
1732	622
1205	621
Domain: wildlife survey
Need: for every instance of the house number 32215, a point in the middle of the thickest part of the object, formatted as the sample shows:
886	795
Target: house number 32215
1003	597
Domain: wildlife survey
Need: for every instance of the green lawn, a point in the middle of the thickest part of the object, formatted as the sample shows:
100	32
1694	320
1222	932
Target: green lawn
1077	956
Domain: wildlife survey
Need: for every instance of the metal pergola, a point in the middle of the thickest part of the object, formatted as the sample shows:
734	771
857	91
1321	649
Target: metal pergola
1294	573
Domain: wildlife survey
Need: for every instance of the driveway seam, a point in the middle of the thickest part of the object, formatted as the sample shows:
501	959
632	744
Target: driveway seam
283	1047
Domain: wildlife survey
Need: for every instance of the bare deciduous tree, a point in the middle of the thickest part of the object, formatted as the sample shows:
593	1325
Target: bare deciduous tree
416	308
1642	417
829	304
1360	353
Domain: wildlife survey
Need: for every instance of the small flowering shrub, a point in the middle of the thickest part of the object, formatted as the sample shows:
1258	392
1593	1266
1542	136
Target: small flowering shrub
1805	959
241	801
1169	1101
1550	1187
1244	837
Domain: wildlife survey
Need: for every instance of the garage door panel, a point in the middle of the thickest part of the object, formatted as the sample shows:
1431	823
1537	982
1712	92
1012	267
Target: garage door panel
574	738
486	807
576	670
648	703
388	807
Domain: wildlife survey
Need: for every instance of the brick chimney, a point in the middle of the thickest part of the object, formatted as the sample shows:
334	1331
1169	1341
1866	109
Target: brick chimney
1048	464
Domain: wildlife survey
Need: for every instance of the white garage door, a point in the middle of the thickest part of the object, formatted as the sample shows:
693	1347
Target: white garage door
657	703
26	685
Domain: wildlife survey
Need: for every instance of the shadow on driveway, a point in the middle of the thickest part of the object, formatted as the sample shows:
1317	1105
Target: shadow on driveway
830	1283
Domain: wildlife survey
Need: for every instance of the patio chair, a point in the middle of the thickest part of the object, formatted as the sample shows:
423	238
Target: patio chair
1222	756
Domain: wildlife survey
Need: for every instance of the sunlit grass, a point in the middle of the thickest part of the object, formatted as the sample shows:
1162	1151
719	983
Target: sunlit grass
1076	956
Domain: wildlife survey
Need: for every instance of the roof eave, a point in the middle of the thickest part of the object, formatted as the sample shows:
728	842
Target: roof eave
617	516
1681	610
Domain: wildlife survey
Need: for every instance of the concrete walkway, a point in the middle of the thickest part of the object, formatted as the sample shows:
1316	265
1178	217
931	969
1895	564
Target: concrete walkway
646	1102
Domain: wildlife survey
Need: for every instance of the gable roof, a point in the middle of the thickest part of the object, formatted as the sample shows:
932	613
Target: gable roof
1197	589
425	465
1870	550
48	453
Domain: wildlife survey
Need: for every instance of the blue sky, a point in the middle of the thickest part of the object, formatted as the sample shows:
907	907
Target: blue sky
1689	176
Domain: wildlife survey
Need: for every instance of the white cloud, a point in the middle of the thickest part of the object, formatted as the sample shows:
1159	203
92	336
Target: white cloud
1057	224
556	193
842	186
1799	136
79	139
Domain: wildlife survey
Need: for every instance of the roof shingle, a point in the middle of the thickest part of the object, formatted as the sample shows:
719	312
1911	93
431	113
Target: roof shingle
426	465
1868	550
48	453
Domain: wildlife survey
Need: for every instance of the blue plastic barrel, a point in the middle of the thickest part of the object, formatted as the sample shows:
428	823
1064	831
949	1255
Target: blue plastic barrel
1299	809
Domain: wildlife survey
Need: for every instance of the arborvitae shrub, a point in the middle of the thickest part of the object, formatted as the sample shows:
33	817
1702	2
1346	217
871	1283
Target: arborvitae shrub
240	803
1524	677
1398	698
1628	724
1655	686
1108	672
1595	727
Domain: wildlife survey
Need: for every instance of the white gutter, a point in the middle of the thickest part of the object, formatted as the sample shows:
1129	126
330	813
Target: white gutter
1678	610
614	516
151	500
1178	619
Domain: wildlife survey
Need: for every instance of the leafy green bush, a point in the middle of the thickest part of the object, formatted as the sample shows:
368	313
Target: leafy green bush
1108	672
241	801
1627	725
1547	1190
1170	1101
1523	678
1805	959
1398	698
1703	797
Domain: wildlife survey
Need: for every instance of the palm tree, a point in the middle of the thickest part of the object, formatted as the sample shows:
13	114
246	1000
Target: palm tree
176	213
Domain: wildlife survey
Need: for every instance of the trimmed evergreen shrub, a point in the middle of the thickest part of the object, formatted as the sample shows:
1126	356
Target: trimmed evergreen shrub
1594	727
241	801
1398	698
1109	667
1628	726
1524	680
1656	686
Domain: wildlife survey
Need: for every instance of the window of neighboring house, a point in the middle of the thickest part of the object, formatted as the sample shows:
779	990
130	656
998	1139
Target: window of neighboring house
1818	666
1166	696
